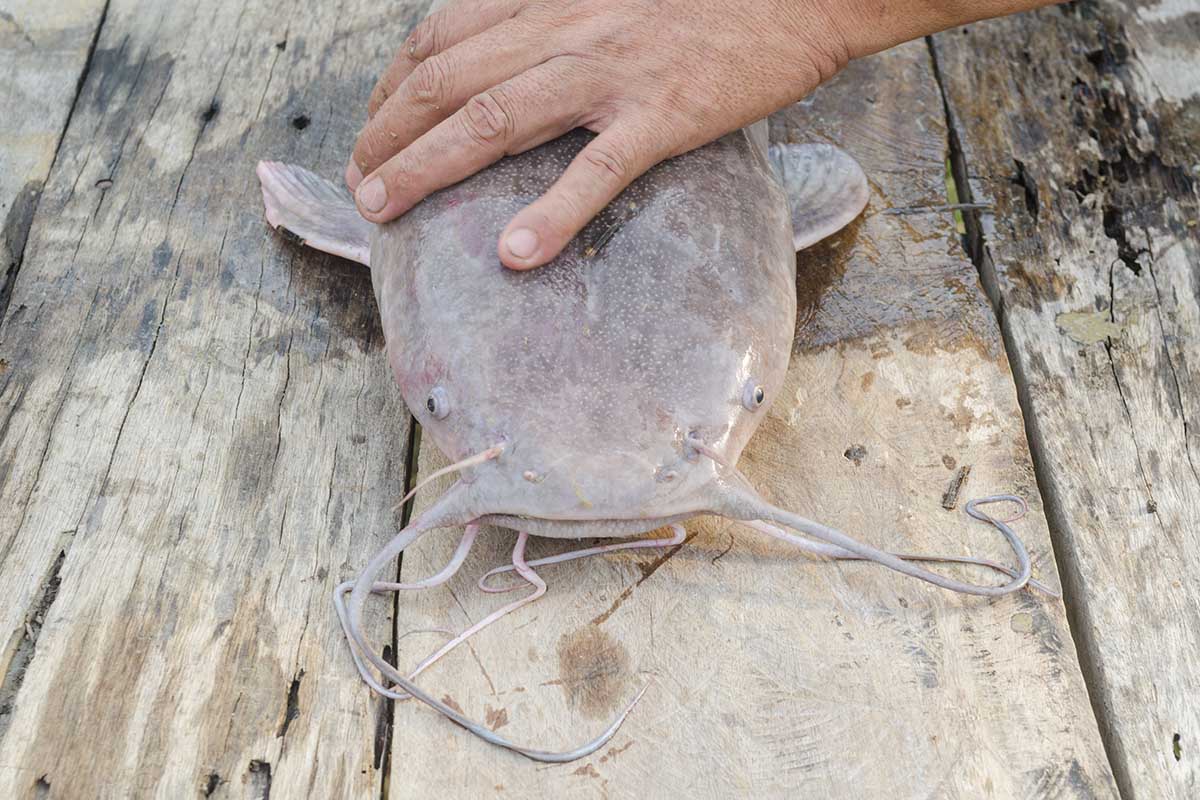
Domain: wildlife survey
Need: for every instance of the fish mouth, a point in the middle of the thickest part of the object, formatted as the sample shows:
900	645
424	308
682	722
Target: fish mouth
583	528
602	494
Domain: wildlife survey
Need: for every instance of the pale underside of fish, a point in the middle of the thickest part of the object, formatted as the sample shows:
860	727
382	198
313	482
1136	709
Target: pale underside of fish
612	391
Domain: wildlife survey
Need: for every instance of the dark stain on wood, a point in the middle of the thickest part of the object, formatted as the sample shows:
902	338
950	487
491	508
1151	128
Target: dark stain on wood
855	453
495	718
211	782
13	237
613	752
290	236
817	269
594	670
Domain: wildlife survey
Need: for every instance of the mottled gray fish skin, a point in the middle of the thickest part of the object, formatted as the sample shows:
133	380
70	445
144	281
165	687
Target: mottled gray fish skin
594	369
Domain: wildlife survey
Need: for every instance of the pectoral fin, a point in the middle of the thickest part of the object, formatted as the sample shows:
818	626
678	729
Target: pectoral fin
312	211
825	187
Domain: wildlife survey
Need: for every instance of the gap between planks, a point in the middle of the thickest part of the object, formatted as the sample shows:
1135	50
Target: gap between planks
1073	596
20	234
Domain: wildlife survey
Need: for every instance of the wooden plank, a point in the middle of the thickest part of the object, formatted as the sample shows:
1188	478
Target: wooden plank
42	56
199	432
1082	126
769	674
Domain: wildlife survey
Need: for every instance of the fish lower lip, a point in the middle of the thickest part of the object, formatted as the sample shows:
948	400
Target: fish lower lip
582	528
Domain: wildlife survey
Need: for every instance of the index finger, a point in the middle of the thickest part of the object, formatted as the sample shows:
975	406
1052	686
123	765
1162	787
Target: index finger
441	85
453	23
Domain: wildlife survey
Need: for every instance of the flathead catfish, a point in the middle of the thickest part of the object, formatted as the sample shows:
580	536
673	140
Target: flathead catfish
612	391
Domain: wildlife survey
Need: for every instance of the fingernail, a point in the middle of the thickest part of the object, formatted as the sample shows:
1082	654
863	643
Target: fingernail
354	175
373	195
522	243
417	47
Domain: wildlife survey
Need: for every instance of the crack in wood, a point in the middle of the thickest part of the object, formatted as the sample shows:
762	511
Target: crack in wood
384	719
975	242
1187	441
35	621
647	571
387	722
19	220
259	777
292	706
162	318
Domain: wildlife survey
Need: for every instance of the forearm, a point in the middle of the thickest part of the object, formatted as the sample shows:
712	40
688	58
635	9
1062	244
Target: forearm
869	26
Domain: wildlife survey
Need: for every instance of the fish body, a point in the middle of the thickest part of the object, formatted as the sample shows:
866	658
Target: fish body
612	391
595	369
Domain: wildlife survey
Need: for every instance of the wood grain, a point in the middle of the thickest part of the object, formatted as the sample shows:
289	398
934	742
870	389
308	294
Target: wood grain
770	674
1082	126
198	433
42	57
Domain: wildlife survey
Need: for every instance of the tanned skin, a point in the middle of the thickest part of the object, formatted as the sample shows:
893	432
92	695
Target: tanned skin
481	79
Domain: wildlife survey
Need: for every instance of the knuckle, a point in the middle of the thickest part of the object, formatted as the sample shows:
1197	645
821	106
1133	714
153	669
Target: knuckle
608	163
430	83
373	146
426	36
378	97
544	16
487	118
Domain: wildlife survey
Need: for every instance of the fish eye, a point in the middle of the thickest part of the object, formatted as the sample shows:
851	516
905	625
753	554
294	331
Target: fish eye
753	395
438	403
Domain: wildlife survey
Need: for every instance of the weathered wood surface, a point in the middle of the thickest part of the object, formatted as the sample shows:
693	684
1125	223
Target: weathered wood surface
770	674
1082	125
42	57
198	435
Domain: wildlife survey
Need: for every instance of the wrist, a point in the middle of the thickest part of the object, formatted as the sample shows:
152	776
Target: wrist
869	26
824	46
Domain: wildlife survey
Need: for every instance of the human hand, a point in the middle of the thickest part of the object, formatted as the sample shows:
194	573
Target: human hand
481	79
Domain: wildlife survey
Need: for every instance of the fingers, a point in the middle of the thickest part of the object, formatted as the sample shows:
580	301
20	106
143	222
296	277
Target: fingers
508	118
440	86
598	174
453	23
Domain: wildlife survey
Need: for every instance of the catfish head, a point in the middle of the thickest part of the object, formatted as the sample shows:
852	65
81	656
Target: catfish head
668	319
